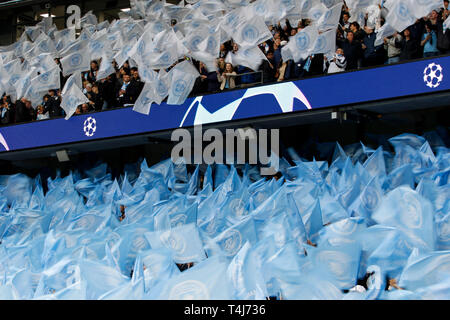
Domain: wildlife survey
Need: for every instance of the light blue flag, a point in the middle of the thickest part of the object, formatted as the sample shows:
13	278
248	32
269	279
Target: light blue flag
143	209
18	189
438	291
375	164
25	282
204	281
412	214
158	266
207	179
425	269
400	176
100	278
245	276
37	201
342	232
127	242
193	183
279	228
331	209
368	201
186	216
184	241
221	172
443	231
340	262
230	241
57	277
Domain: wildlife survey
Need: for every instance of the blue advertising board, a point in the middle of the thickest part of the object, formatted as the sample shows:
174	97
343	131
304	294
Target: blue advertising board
400	80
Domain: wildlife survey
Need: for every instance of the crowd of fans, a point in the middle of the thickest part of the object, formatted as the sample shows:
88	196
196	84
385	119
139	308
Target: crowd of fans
355	49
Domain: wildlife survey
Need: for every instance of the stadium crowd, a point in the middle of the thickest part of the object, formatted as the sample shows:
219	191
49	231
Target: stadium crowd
355	45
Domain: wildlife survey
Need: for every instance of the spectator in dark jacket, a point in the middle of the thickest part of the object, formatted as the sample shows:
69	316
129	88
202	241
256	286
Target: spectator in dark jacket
268	69
128	92
108	88
352	50
23	112
410	47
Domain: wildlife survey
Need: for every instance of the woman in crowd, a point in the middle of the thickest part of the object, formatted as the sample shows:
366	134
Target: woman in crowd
227	78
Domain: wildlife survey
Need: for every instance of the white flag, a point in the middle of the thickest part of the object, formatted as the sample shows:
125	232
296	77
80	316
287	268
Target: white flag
251	58
145	99
330	19
23	83
106	67
72	99
43	62
401	15
302	44
74	79
422	8
47	80
385	31
251	32
77	61
325	43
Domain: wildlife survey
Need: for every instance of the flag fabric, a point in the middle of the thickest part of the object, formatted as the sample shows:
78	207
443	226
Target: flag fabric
71	99
184	241
401	15
204	281
77	61
325	43
302	43
181	86
47	80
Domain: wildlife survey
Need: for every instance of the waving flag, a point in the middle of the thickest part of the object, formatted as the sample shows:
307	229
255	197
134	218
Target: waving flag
406	210
302	44
401	15
330	19
181	86
204	281
184	241
249	33
325	43
77	61
47	80
71	99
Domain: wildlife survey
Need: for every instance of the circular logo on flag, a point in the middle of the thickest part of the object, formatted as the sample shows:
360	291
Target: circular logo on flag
178	220
306	6
250	33
320	44
189	290
433	75
179	87
174	241
90	126
44	77
212	45
344	227
165	58
76	60
403	11
162	89
195	42
43	46
232	241
303	40
336	261
370	198
411	211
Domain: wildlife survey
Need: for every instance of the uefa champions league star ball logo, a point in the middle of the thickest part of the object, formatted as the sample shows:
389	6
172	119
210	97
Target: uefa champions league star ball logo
433	75
90	126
